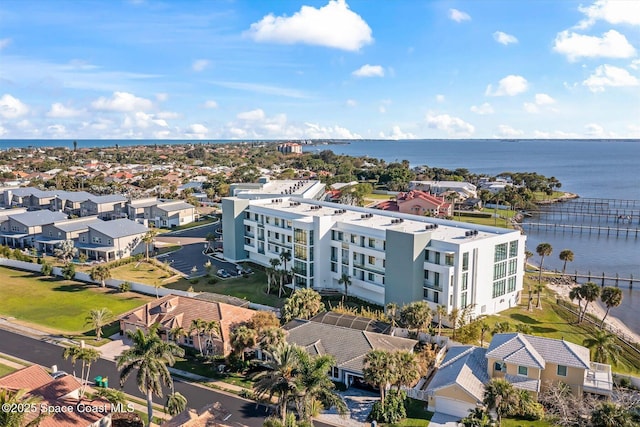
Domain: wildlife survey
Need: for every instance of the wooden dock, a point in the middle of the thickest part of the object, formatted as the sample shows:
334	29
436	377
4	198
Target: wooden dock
584	229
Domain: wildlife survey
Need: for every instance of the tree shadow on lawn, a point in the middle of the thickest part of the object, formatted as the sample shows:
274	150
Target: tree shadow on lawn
71	288
524	319
542	330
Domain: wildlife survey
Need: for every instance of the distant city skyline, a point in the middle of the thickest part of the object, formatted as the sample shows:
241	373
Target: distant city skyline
249	69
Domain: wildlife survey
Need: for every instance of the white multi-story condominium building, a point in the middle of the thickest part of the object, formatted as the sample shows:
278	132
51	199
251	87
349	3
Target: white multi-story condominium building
388	256
267	188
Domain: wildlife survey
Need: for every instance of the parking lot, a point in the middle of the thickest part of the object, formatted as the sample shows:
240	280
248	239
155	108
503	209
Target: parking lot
190	259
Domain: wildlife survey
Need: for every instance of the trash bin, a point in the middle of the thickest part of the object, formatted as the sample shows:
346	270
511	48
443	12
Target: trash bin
98	381
105	382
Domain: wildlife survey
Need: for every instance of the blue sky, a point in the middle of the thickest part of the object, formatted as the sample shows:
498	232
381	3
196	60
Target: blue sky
319	69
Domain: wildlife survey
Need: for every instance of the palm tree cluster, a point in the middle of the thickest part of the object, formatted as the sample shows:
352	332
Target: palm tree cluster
296	378
501	396
587	292
87	356
200	328
302	304
603	346
149	357
383	368
544	250
263	330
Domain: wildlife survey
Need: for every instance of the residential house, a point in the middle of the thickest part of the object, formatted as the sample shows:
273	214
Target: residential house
28	197
174	311
417	202
528	362
532	363
161	213
69	202
464	189
62	392
348	346
69	229
106	207
111	240
21	230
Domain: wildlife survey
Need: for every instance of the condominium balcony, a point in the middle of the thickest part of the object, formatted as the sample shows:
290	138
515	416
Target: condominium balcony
368	267
429	284
598	379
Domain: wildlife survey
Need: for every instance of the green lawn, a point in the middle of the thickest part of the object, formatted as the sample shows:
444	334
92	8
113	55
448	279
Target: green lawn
4	370
417	415
144	272
58	305
252	288
373	196
513	422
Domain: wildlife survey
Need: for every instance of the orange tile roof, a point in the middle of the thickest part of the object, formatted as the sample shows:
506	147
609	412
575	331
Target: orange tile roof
29	378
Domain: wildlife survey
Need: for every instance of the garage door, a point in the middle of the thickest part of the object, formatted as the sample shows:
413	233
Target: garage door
453	407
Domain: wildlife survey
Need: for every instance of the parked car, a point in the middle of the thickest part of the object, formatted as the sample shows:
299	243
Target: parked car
223	273
58	374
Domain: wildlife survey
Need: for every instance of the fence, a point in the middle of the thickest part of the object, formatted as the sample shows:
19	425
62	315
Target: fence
85	277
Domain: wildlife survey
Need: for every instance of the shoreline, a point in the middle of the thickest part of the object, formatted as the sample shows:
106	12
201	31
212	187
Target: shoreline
562	291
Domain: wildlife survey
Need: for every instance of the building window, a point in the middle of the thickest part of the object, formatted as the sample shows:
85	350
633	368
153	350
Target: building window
465	261
499	367
465	281
513	265
498	288
371	277
562	371
436	258
523	371
334	267
513	249
372	260
436	278
499	270
463	300
511	284
448	259
372	243
336	373
500	252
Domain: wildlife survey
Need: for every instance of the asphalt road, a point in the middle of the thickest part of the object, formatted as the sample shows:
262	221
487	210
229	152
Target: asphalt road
243	412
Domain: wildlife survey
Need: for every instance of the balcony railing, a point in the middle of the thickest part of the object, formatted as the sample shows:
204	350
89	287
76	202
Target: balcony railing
598	379
429	284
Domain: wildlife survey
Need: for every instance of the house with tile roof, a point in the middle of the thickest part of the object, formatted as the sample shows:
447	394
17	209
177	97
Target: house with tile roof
348	346
174	311
62	392
111	240
418	202
528	362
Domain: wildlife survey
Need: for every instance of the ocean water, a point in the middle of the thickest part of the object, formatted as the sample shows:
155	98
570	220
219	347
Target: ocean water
589	168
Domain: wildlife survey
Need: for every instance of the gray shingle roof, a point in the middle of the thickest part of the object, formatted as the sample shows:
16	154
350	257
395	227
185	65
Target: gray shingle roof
76	224
529	350
465	366
35	218
109	198
174	206
74	196
348	346
119	228
523	383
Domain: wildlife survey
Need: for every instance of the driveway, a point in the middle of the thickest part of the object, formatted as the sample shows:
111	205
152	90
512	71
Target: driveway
443	420
359	402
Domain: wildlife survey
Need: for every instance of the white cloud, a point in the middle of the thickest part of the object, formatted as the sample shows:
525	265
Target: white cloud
260	88
608	75
4	43
382	108
61	112
505	131
200	65
614	12
316	131
483	109
369	71
333	25
168	115
397	133
635	64
57	131
594	130
211	104
11	108
351	103
140	120
440	98
458	15
612	44
161	97
122	101
504	38
530	107
509	86
197	130
544	99
454	126
253	115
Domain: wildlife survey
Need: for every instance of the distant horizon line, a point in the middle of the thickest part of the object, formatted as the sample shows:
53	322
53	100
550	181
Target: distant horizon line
200	141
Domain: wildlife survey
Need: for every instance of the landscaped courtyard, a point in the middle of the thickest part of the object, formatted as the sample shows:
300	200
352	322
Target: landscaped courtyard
58	305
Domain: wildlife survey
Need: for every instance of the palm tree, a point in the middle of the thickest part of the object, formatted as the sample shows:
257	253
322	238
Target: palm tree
294	271
392	313
285	257
484	328
149	356
539	288
576	294
279	378
610	414
148	239
441	311
97	318
314	385
416	315
407	369
346	281
212	329
454	318
270	272
303	304
18	398
527	256
611	297
499	394
271	337
177	333
176	403
87	356
46	269
603	346
379	370
113	396
197	326
210	237
65	251
589	292
543	249
242	338
566	256
100	273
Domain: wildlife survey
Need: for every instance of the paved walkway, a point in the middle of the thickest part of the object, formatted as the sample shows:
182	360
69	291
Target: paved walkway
359	403
443	420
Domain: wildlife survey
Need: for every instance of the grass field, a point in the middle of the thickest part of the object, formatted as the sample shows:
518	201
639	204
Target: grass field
4	370
513	422
144	272
57	305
